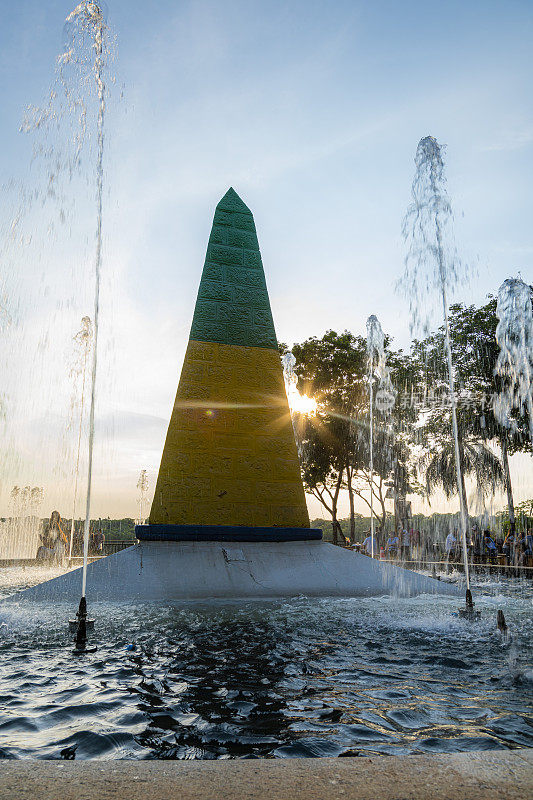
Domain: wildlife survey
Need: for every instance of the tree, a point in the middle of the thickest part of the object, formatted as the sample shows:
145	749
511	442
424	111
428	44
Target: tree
474	353
332	370
335	449
476	459
322	468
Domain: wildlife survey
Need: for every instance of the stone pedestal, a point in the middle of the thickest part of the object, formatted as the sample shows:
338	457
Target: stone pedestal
167	571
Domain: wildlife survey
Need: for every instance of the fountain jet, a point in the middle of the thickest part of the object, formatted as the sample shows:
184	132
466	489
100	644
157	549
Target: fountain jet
430	264
300	405
83	338
142	486
377	367
514	334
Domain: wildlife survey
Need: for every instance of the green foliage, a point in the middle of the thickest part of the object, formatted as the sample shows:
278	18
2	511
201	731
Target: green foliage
523	515
336	444
474	353
413	446
477	460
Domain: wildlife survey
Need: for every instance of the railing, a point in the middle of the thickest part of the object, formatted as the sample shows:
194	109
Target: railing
115	545
492	568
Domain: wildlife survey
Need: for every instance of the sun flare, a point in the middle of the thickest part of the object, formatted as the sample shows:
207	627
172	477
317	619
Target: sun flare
301	403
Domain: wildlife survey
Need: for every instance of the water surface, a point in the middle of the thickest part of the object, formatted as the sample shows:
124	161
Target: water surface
282	679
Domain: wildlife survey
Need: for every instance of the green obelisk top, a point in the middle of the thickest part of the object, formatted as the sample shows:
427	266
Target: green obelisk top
233	305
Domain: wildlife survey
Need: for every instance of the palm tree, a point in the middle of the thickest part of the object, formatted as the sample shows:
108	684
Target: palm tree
477	461
475	353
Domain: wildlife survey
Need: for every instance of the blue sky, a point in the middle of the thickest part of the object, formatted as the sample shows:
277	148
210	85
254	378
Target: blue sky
312	111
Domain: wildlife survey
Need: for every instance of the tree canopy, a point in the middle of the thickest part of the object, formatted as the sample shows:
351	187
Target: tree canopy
412	443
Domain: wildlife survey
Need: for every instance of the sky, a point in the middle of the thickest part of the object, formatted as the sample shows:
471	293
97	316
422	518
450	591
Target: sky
312	111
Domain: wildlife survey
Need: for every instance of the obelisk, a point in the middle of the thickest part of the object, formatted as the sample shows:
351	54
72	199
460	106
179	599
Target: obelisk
230	459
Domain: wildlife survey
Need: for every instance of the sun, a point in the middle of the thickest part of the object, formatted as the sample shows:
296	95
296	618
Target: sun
301	403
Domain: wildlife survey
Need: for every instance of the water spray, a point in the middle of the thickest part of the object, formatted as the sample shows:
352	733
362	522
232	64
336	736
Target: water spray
373	331
468	611
84	336
375	346
88	19
425	223
514	334
142	486
299	404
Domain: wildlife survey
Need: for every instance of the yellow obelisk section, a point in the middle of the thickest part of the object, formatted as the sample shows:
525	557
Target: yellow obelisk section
230	457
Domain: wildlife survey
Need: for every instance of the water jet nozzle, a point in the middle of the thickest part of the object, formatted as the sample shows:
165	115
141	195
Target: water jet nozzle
468	611
74	623
502	625
82	624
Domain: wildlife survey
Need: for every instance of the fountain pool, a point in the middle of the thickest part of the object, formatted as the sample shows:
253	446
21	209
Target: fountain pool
320	677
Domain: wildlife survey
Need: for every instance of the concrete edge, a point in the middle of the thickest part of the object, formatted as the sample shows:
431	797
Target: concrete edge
481	775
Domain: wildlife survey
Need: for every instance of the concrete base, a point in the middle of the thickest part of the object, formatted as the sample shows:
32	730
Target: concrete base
167	571
493	775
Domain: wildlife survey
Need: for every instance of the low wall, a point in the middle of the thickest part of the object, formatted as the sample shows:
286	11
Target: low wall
489	775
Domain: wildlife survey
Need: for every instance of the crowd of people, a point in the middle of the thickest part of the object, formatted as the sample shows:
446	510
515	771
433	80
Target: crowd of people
403	543
513	549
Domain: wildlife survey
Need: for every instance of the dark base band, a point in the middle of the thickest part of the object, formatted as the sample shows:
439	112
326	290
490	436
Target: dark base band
223	533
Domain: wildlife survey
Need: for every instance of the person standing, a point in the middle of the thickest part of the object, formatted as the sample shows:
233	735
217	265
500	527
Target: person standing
508	548
415	544
489	546
406	544
367	544
77	549
54	541
450	546
99	539
526	548
393	543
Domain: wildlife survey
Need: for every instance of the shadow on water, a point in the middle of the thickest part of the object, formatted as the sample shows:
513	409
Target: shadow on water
216	695
285	679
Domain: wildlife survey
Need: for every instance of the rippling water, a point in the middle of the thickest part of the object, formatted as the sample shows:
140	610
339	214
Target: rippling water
284	679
